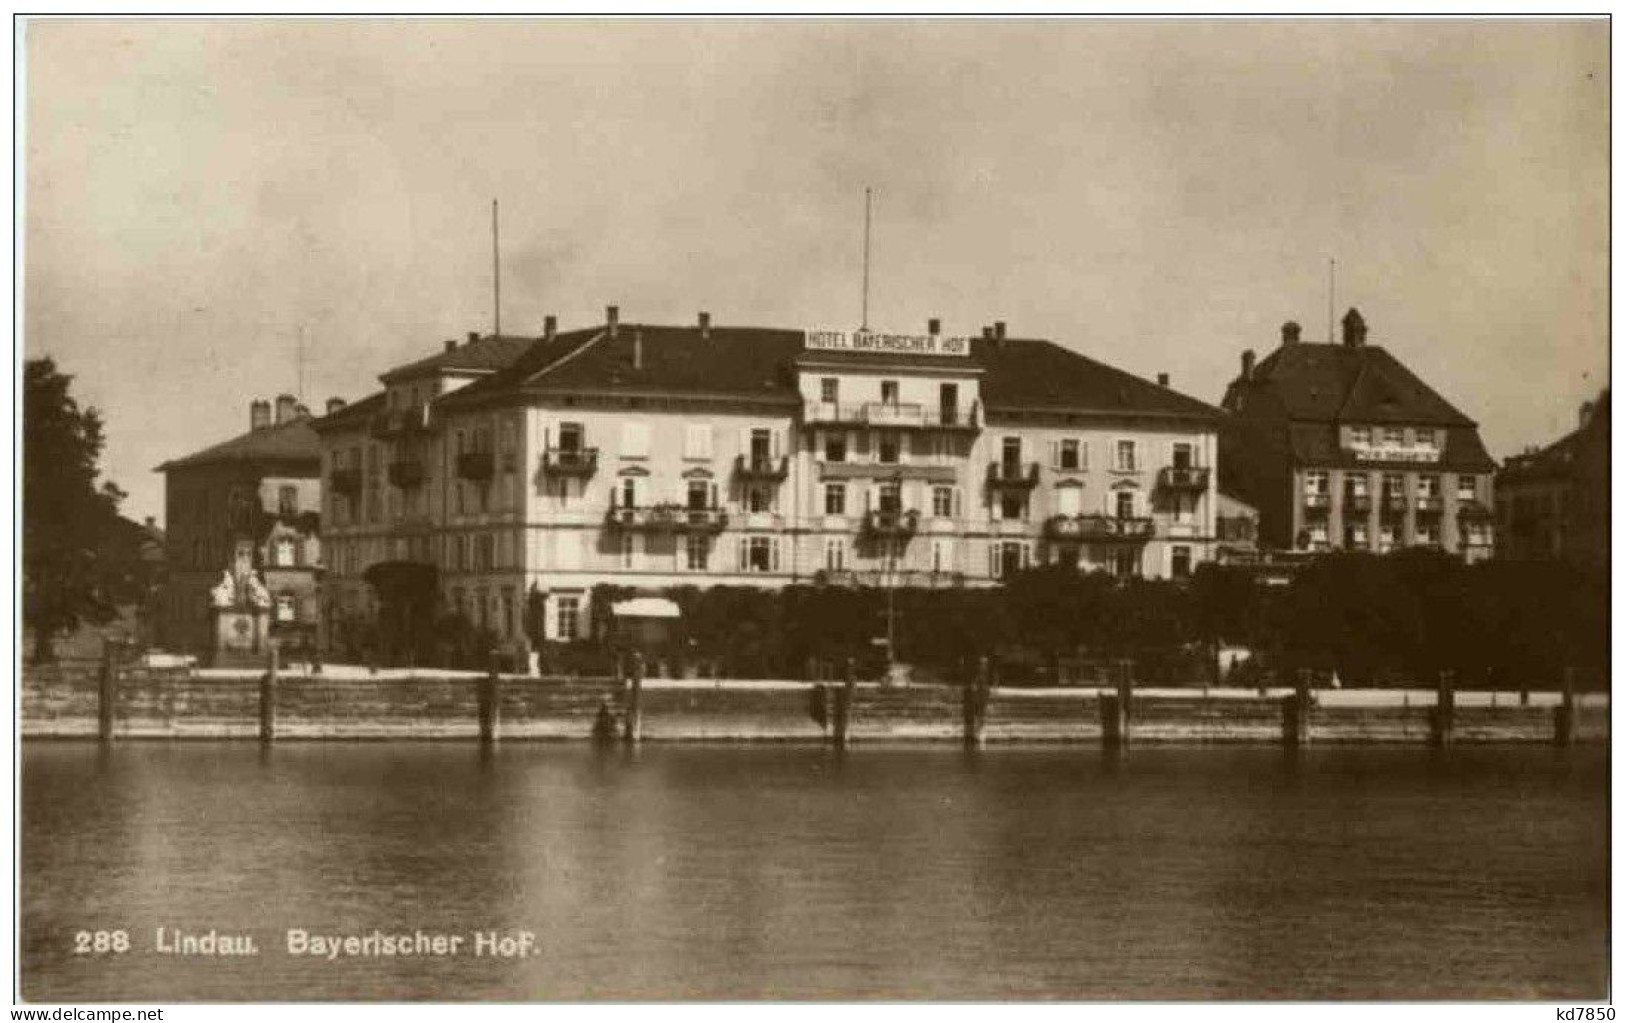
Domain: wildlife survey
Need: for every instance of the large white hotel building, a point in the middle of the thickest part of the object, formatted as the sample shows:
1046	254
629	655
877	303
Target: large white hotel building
657	456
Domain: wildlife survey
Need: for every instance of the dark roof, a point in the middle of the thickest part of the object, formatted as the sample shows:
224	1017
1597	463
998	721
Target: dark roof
356	411
1317	444
760	362
1351	384
1558	458
480	355
290	442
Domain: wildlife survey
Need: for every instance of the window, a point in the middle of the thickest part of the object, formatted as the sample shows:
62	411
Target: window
1184	509
459	601
509	626
1126	461
629	491
458	558
1068	454
1012	505
891	498
1184	455
1180	563
1427	486
568	625
835	554
634	440
1356	484
628	549
1466	488
829	390
887	448
287	500
1316	481
697	552
1426	437
282	552
835	499
948	400
1393	485
758	551
699	495
942	502
888	392
759	499
1124	504
1393	435
1006	559
570	435
1126	563
1068	500
1427	533
1360	436
1354	535
697	440
485	548
285	607
761	446
835	447
940	556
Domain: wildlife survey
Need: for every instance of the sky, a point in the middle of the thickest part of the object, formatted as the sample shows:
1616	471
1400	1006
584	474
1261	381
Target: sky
205	199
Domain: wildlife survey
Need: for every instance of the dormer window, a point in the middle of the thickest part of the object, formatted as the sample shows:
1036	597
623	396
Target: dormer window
1393	435
1426	437
1360	436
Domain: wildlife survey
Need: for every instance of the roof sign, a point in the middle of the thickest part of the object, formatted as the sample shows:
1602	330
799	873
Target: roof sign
903	344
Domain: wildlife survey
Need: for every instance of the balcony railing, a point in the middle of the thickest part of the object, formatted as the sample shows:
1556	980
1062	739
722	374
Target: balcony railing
1357	504
898	414
345	481
1317	500
762	470
1395	504
1473	511
1099	528
666	518
1183	477
1431	503
1004	475
476	465
406	472
401	422
906	577
581	462
893	524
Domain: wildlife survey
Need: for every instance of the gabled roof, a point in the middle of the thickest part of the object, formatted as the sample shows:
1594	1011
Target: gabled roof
1351	384
1558	458
355	412
290	442
760	363
477	356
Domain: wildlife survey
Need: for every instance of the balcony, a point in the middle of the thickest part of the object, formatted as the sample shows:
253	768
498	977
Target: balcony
1009	476
666	518
345	481
581	462
1473	511
762	470
1187	478
906	415
406	473
1319	501
878	578
476	465
1356	504
891	524
1099	528
1394	504
1430	504
403	422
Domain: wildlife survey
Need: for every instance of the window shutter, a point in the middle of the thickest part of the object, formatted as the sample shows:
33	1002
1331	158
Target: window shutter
744	553
773	552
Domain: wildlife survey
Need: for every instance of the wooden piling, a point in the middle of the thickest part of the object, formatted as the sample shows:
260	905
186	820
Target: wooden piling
843	704
268	683
1113	730
634	698
1295	713
973	705
107	690
1125	700
488	709
1442	721
1563	713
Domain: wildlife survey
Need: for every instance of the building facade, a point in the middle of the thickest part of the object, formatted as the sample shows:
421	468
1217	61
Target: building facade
1554	502
660	456
1340	446
248	506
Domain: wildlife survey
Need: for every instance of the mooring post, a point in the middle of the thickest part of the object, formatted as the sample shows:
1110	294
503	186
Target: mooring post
634	698
268	695
843	703
1125	698
1563	713
1443	718
974	704
107	690
488	700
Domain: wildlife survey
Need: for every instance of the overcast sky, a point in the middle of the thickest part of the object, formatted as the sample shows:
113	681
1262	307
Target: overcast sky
1157	195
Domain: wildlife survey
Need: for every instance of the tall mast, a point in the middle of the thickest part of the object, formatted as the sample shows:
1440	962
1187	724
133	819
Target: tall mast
496	273
868	200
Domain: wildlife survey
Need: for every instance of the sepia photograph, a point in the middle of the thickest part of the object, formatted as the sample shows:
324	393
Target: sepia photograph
915	509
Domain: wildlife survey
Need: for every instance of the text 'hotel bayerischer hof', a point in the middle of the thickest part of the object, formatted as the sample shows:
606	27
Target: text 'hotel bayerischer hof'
655	456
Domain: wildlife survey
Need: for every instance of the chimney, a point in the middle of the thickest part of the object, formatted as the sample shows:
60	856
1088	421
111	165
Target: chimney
1587	410
285	406
334	404
705	326
152	522
998	330
933	326
987	333
550	327
451	344
1353	328
259	414
1290	332
612	316
637	349
1162	380
1247	358
301	411
473	336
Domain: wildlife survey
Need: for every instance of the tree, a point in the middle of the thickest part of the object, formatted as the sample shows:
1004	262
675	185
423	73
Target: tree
76	557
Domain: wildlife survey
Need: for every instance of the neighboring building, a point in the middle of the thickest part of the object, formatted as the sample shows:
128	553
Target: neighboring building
1236	529
252	503
1554	502
657	456
1340	446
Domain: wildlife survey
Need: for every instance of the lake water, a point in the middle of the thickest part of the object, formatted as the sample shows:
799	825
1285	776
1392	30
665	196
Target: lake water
723	872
